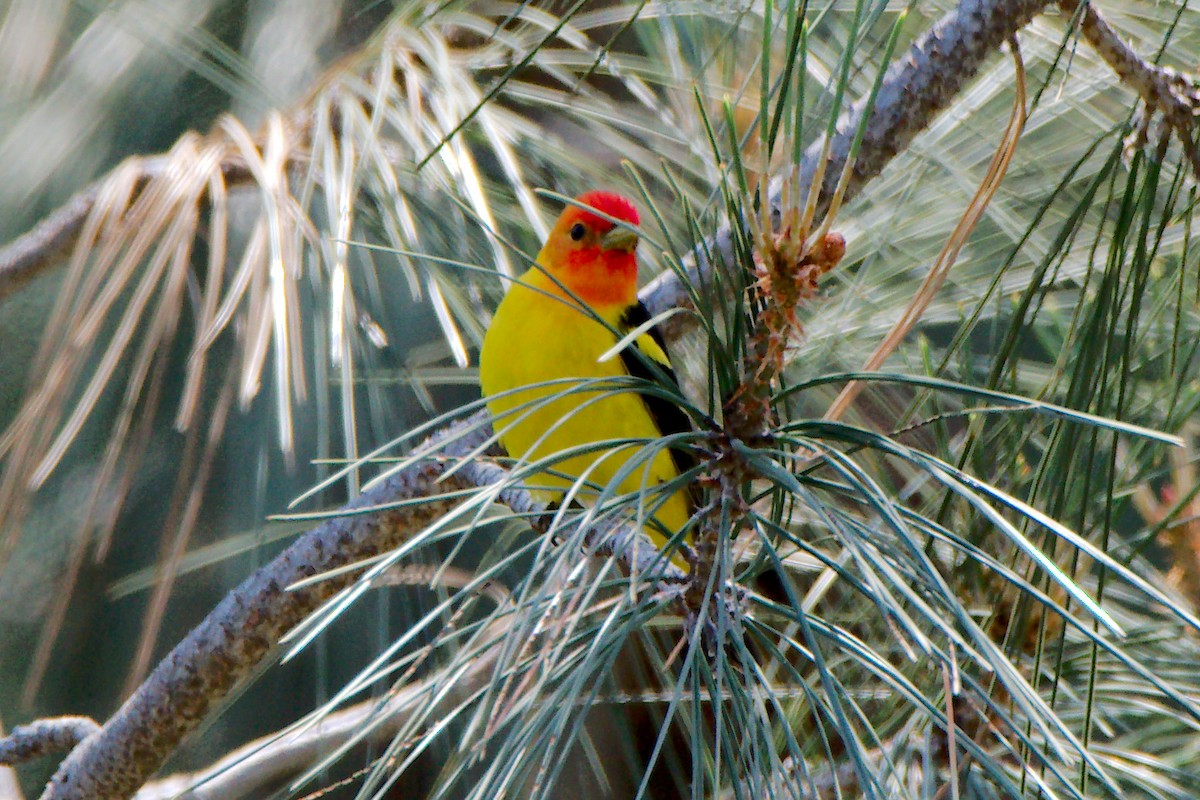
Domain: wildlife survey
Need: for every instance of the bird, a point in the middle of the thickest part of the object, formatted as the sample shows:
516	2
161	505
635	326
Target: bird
558	321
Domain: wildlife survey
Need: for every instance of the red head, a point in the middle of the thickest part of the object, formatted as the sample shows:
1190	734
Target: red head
590	255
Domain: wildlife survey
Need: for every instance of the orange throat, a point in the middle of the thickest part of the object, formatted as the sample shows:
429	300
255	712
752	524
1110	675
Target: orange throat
600	279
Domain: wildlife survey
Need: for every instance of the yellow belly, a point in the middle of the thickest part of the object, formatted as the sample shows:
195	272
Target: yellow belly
535	339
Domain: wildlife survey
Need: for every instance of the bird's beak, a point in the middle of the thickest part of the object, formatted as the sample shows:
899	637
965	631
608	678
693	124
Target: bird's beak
619	239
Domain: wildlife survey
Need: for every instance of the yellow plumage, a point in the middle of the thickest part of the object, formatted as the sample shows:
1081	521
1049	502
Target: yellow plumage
540	334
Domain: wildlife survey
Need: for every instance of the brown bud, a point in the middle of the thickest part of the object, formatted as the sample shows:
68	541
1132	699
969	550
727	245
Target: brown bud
830	251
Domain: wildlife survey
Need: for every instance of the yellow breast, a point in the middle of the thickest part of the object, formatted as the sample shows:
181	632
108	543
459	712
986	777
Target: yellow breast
534	339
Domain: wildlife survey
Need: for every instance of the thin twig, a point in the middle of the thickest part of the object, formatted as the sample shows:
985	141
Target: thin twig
45	736
1164	90
26	256
49	241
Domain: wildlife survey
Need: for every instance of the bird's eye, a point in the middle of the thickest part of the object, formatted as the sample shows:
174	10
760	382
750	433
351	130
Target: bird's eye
577	231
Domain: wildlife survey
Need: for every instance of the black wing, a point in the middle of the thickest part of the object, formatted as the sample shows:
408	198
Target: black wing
667	416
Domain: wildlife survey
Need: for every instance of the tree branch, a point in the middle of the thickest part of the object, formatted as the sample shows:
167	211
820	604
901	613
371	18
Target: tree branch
223	649
251	768
25	257
243	628
43	737
916	88
1163	90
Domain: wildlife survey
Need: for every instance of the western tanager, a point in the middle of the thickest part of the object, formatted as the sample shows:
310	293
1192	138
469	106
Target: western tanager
542	333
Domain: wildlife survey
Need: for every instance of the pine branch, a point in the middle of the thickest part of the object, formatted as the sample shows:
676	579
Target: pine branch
43	737
1163	90
242	629
916	89
252	619
48	242
251	768
33	251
